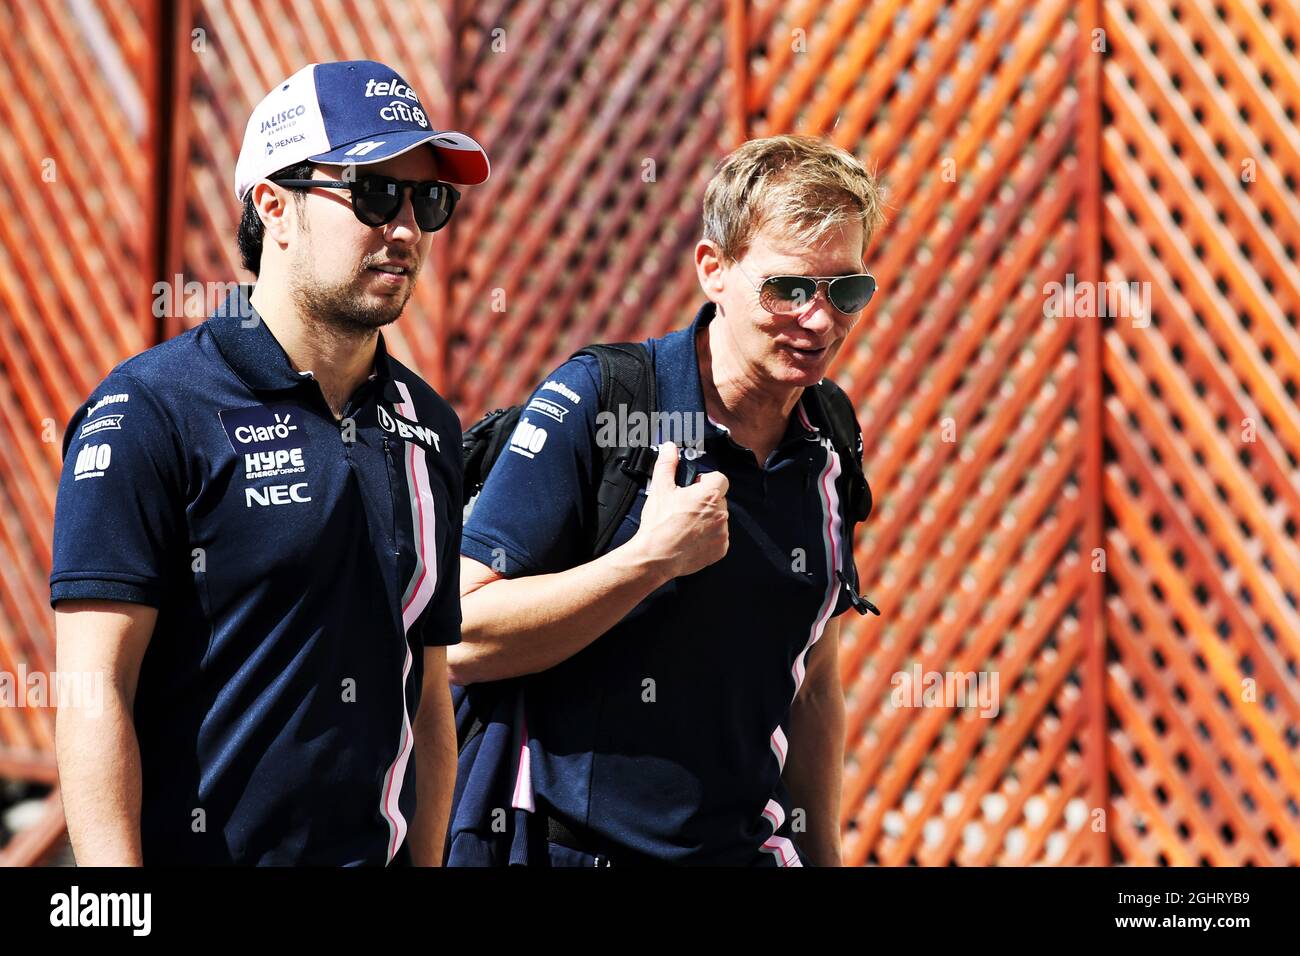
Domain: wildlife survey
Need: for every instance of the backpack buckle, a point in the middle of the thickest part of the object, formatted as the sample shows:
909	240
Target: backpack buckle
639	462
860	603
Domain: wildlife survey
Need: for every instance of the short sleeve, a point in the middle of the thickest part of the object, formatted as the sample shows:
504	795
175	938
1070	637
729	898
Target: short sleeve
119	517
536	509
441	626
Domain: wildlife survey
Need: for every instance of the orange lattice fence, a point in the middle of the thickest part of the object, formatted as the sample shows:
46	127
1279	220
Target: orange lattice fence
1095	514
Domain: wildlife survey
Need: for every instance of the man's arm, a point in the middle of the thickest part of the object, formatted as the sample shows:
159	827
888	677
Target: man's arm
96	746
517	626
814	770
435	761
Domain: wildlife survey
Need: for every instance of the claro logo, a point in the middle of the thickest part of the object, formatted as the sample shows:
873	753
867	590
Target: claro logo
262	428
251	434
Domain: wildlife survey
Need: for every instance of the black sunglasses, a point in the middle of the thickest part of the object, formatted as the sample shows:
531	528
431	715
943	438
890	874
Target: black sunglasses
376	200
782	295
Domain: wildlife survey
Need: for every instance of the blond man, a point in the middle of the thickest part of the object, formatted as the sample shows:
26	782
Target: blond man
679	696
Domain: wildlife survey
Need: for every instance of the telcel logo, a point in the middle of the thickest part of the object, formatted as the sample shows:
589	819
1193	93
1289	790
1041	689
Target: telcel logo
390	88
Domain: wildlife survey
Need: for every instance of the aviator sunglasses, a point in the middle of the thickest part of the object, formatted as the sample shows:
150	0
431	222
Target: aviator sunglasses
782	295
376	200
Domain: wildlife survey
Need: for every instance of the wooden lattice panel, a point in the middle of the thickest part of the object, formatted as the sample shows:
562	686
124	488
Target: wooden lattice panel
73	243
1100	511
968	395
1202	433
603	121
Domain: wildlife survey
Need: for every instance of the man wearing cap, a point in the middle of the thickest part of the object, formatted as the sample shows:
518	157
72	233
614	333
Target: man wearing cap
258	523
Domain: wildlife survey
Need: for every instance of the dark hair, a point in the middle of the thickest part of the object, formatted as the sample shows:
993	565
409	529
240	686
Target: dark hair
250	234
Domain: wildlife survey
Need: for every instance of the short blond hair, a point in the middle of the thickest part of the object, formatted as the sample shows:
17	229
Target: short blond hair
803	185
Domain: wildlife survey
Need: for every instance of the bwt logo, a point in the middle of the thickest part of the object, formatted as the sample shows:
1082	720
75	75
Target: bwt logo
403	429
276	495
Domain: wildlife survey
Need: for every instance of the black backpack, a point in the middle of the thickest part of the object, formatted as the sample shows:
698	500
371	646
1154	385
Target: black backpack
627	379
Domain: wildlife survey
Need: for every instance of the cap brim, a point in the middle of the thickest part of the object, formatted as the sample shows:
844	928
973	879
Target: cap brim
460	160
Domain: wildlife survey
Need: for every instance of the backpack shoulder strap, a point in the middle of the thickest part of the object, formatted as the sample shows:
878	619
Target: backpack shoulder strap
627	380
846	437
839	414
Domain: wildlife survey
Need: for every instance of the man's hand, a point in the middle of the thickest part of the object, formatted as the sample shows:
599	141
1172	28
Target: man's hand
682	529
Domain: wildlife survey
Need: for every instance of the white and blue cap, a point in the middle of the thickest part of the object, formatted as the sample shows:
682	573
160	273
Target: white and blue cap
350	112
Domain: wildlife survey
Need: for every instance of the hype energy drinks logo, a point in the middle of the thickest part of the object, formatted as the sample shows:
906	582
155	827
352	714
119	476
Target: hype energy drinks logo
260	428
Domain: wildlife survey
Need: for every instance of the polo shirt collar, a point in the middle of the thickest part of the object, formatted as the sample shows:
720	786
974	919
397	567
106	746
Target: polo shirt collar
677	377
257	357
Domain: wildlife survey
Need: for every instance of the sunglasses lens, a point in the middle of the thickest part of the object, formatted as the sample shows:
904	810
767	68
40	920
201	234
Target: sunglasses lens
376	199
784	294
851	294
433	205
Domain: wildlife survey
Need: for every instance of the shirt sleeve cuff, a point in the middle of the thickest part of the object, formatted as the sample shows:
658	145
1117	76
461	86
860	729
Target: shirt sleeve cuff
102	590
490	554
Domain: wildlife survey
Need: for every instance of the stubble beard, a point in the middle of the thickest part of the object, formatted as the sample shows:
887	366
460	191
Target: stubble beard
344	305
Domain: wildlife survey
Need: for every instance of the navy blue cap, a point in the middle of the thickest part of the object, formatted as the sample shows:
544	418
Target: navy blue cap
352	112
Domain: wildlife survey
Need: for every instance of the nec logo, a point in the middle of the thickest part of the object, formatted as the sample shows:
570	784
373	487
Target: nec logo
276	495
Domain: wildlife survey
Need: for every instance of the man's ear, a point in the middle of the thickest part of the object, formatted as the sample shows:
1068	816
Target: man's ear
275	210
708	269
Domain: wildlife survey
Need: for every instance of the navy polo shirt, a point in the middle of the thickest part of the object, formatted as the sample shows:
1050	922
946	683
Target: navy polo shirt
667	735
299	565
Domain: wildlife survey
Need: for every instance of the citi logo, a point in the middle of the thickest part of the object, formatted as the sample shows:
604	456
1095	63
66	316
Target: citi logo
276	495
397	111
527	439
404	429
273	123
92	461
